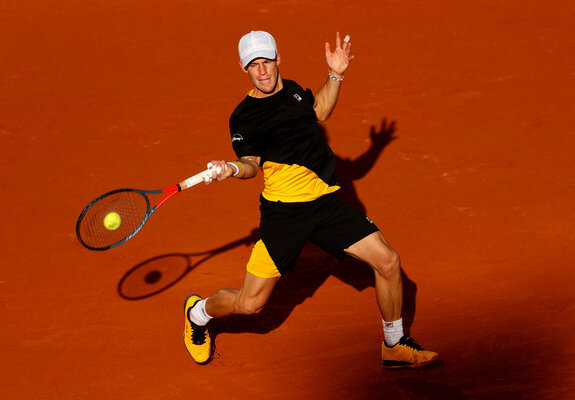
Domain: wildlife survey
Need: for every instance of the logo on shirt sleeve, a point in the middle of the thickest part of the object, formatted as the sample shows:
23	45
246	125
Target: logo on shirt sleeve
236	137
297	97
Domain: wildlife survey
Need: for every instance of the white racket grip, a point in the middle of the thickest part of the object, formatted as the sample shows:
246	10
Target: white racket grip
194	180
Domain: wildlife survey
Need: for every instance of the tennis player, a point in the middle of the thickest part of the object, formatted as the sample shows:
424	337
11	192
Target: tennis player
275	129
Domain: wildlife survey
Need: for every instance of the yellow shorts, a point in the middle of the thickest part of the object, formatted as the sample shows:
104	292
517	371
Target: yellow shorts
260	263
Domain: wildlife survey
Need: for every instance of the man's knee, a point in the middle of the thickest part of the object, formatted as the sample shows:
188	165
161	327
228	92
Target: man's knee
388	264
248	306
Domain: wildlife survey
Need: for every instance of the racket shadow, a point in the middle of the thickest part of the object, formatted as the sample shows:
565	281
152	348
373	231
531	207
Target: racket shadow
158	274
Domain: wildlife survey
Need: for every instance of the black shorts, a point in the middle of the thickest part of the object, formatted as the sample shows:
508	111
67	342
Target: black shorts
327	222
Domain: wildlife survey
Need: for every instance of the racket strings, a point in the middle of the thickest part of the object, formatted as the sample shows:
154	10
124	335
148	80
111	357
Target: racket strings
131	207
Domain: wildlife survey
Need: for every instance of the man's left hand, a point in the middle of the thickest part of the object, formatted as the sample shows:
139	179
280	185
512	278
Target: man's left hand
339	59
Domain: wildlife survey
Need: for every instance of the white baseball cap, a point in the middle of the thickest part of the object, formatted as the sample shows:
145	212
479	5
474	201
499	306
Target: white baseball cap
257	44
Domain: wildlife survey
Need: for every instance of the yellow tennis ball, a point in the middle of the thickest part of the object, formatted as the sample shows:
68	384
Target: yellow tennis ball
112	221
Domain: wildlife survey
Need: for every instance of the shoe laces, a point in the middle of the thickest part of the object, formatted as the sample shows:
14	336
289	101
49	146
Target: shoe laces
410	342
198	334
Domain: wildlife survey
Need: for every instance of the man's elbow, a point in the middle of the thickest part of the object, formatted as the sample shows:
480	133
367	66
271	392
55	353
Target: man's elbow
322	116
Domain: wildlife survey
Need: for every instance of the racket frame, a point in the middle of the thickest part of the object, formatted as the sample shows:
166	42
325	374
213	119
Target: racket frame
171	191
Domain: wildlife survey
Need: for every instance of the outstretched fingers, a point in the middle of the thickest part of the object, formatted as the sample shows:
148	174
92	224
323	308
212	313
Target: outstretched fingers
340	58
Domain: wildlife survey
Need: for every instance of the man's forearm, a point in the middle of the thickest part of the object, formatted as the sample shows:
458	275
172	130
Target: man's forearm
326	97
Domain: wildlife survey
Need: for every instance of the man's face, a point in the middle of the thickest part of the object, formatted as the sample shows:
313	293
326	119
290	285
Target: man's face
264	74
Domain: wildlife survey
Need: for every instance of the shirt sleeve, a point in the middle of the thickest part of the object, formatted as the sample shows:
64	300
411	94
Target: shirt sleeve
245	139
310	98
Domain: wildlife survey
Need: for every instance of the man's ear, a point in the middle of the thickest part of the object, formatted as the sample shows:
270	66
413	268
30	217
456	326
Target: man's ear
278	58
242	67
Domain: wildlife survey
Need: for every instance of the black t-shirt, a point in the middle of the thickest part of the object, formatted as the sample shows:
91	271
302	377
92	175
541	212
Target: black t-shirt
283	130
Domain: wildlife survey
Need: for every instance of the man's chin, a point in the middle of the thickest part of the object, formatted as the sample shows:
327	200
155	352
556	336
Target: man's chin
267	88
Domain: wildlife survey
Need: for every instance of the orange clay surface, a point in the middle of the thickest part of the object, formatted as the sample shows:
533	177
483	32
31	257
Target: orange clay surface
455	130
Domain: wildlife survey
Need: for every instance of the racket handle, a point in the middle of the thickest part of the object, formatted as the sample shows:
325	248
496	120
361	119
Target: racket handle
194	180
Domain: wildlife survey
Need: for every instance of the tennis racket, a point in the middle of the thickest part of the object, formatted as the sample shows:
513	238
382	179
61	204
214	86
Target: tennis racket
115	217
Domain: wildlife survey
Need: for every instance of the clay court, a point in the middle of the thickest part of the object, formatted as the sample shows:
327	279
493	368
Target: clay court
454	131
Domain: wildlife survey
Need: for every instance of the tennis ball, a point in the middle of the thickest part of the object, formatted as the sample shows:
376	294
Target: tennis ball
112	221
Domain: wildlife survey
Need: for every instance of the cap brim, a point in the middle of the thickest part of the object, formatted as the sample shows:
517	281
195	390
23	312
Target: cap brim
269	54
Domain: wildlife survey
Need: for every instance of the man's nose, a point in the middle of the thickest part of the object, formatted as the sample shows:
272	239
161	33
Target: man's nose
262	69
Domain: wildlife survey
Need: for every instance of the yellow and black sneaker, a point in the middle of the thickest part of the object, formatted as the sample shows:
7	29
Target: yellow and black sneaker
406	354
196	338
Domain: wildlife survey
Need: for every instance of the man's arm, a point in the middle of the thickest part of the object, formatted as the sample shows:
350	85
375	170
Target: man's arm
245	168
338	61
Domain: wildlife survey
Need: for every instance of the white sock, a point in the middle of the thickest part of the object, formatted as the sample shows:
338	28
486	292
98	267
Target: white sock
392	332
198	313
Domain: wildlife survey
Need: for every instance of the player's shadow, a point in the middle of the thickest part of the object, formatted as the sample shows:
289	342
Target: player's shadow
313	268
350	170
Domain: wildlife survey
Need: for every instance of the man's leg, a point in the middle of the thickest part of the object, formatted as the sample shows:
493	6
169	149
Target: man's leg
398	350
375	251
252	296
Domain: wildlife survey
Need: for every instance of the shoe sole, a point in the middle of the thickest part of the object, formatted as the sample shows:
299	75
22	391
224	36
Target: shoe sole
392	364
184	336
396	364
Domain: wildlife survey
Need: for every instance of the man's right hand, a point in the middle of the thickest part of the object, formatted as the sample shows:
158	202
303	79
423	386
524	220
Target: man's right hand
220	171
